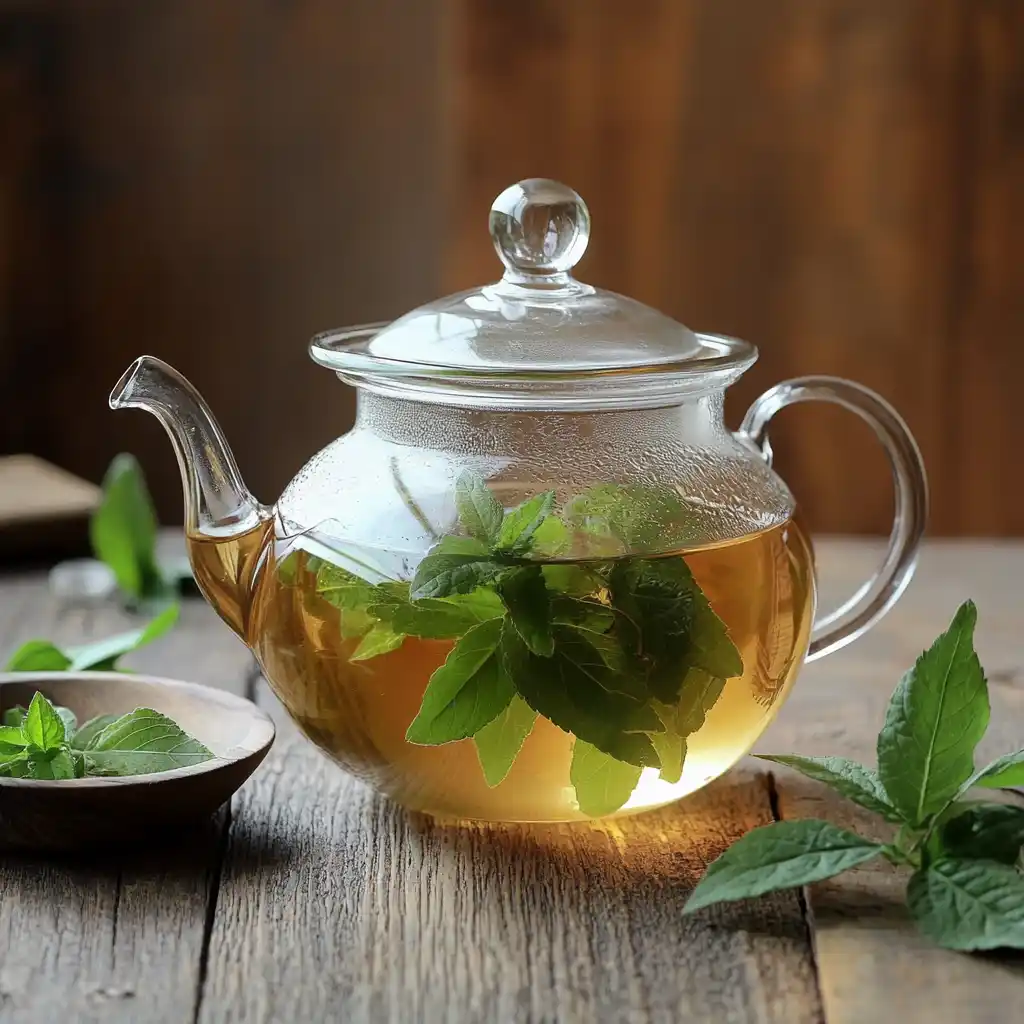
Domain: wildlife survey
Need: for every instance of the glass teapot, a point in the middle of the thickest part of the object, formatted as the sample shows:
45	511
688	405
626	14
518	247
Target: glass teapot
539	580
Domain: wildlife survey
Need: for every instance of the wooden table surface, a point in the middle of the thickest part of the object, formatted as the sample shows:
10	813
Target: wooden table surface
311	899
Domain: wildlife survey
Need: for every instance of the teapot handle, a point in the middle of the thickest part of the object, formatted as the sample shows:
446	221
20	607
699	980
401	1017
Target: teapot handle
883	589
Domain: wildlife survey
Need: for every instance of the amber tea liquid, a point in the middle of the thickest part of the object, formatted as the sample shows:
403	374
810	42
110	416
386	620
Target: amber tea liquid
358	712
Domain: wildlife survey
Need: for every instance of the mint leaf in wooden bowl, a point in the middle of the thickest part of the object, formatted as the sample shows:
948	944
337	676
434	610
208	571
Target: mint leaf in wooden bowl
111	759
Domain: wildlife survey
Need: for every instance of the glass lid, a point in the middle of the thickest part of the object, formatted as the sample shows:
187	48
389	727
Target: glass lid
538	329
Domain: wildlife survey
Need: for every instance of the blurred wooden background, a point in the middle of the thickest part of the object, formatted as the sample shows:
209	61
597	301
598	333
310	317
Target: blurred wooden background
840	181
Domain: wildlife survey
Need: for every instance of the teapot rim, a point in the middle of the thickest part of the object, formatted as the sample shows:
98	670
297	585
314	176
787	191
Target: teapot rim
722	360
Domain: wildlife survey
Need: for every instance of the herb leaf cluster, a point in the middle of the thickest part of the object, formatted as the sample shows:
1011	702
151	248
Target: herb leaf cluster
966	890
44	741
625	654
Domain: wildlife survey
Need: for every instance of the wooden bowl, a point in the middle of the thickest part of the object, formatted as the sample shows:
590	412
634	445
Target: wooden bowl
86	813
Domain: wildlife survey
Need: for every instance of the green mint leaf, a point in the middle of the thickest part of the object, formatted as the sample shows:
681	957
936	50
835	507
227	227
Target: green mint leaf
576	690
380	640
14	766
14	717
780	856
654	600
440	618
853	780
522	523
43	727
671	748
441	575
968	904
700	693
38	656
123	530
344	589
102	655
712	648
87	735
573	580
469	690
498	743
935	719
983	831
529	607
638	517
455	545
607	645
67	716
12	740
572	611
142	742
602	783
1003	772
479	511
551	538
59	766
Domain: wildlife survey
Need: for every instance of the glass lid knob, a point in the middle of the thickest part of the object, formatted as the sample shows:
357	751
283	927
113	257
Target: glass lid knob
540	229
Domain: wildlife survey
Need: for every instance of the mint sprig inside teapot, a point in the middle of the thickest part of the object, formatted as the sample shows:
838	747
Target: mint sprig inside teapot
624	653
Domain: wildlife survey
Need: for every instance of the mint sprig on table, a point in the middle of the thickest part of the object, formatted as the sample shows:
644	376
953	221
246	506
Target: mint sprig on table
966	889
44	741
624	653
98	656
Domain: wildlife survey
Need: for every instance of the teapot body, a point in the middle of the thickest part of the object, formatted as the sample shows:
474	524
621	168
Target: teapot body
568	677
539	580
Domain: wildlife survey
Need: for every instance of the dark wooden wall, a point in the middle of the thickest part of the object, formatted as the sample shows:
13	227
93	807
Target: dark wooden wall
840	181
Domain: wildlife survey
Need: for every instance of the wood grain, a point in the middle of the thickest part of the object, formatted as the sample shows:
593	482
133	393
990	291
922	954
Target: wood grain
118	938
332	904
239	178
783	172
872	964
989	308
336	904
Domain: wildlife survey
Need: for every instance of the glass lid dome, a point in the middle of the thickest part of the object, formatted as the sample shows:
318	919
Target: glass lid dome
538	334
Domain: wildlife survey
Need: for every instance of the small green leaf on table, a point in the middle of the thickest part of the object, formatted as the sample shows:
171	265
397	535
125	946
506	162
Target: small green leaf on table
38	656
853	780
984	831
969	904
102	655
936	717
780	856
1003	773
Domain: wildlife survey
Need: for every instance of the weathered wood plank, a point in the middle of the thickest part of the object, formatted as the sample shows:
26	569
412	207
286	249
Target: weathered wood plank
335	904
117	939
782	172
872	963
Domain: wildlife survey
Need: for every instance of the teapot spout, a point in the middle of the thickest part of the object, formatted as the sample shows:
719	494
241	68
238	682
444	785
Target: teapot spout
218	506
